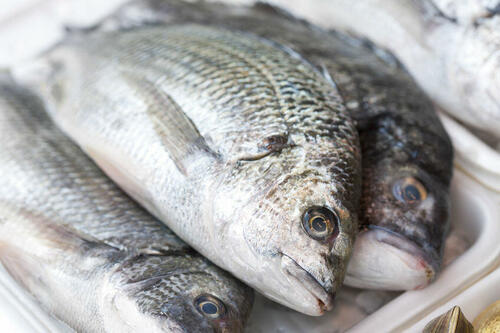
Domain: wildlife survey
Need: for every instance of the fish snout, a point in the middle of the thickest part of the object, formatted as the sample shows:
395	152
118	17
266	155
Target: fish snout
384	259
321	294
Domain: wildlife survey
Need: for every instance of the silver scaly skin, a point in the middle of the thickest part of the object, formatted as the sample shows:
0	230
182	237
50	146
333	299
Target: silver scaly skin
407	155
240	146
88	253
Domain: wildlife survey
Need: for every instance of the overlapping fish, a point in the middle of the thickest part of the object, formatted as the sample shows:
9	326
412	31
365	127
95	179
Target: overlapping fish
449	46
407	155
88	253
241	146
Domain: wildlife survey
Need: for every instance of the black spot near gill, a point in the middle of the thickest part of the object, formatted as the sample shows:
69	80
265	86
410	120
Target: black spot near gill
274	143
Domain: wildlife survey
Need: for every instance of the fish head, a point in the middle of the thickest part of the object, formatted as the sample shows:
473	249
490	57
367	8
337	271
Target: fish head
183	294
291	227
406	212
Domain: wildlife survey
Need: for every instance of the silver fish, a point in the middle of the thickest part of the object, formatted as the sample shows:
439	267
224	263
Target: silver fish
87	252
240	146
407	155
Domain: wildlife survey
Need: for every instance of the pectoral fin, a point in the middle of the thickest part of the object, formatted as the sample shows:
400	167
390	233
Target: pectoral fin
176	131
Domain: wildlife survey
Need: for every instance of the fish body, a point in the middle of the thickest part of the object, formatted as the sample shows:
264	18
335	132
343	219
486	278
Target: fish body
450	47
239	145
406	153
88	253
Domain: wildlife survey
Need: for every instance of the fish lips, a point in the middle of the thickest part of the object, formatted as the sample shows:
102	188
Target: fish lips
383	259
316	292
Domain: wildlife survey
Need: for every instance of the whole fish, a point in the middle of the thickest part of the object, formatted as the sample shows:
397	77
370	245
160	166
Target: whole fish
89	254
239	145
449	46
407	154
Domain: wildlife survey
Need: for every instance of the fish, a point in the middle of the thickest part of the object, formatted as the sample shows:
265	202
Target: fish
407	156
239	145
88	253
451	321
450	47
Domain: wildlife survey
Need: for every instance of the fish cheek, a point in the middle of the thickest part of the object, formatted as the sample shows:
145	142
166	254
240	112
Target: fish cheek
263	233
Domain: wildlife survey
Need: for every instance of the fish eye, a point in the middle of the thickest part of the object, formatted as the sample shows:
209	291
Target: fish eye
409	190
210	306
320	223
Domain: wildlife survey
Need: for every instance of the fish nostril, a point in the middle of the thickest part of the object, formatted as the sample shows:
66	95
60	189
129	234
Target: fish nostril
274	143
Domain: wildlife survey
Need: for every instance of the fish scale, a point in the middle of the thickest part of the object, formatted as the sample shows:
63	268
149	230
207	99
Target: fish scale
273	110
224	92
51	183
41	183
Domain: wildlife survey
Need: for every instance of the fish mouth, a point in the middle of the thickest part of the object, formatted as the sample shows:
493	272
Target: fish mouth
383	259
323	298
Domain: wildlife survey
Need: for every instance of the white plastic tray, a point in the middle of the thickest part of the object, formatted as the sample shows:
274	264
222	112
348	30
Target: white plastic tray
473	156
472	301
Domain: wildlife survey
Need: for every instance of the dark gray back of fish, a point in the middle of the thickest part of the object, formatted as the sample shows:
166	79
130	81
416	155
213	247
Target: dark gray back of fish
407	155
